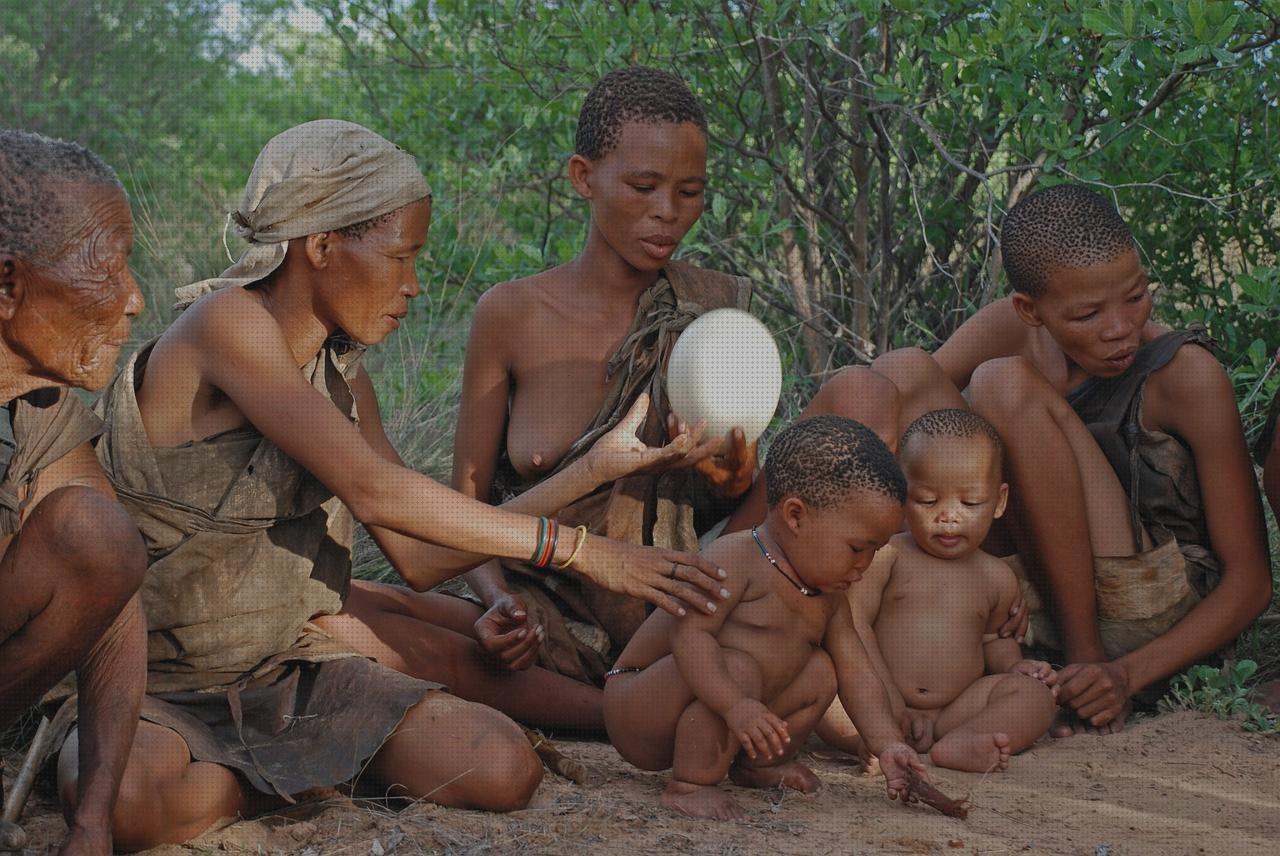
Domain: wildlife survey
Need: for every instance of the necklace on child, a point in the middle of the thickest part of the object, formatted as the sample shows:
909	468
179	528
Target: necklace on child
803	589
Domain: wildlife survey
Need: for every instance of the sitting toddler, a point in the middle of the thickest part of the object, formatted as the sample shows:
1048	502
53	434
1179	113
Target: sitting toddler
934	601
737	691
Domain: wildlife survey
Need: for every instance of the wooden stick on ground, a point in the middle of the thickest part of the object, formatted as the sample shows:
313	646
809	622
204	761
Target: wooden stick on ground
923	790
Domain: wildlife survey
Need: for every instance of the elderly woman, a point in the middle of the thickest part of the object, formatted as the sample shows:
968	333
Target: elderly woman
70	558
243	440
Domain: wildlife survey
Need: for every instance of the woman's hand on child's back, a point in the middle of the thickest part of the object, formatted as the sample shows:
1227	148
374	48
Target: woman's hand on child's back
897	760
666	578
760	731
504	633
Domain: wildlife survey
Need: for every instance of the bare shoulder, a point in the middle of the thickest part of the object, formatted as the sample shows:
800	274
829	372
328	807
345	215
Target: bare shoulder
738	554
995	573
1192	388
230	325
510	308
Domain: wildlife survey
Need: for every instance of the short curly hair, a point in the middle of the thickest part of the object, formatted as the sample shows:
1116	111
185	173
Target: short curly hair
1064	226
823	459
951	422
635	94
35	214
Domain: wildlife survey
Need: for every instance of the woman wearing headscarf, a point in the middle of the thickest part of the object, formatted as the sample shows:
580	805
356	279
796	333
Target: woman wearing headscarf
243	440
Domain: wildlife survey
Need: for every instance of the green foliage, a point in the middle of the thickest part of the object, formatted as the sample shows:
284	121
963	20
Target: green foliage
1222	692
862	153
158	89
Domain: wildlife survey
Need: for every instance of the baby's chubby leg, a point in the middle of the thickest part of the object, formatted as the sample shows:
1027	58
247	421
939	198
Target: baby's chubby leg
802	705
641	711
655	722
997	716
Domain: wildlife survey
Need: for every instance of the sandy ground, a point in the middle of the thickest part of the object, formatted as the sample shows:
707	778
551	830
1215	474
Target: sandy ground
1182	783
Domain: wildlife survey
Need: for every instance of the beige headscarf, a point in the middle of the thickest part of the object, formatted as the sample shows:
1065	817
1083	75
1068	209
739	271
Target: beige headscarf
317	176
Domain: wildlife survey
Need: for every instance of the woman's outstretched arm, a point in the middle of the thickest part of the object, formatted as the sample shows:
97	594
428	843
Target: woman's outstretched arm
241	351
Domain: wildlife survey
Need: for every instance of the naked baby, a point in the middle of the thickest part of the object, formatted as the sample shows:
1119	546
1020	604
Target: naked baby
934	601
737	691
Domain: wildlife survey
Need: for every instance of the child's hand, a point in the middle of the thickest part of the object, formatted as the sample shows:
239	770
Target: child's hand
759	730
896	761
1038	669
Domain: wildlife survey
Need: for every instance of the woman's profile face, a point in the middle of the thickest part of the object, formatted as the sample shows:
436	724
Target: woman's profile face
375	275
75	316
648	191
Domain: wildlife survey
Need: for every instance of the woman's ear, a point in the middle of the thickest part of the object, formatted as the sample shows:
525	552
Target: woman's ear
1026	309
14	274
317	247
580	173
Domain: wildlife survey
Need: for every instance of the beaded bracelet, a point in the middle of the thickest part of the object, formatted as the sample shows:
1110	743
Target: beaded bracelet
542	540
548	536
582	539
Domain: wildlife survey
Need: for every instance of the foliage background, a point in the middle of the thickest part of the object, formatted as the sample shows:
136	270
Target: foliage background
862	152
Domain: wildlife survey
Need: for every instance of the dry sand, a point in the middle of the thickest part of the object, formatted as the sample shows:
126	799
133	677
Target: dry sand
1178	784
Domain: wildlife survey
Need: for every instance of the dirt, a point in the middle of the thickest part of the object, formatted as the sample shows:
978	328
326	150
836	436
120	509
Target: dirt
1182	783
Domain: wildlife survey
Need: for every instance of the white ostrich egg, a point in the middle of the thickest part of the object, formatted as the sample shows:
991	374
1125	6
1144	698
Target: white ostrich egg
725	369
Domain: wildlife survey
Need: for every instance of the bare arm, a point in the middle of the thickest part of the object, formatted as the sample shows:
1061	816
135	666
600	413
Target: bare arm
994	331
1202	411
864	604
423	565
239	348
111	680
864	697
700	658
1000	654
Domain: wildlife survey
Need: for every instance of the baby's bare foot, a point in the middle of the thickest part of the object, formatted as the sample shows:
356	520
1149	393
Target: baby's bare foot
976	753
789	774
702	801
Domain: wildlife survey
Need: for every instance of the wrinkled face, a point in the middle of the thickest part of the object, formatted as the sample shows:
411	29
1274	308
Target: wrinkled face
647	192
373	277
835	545
954	493
1095	314
72	315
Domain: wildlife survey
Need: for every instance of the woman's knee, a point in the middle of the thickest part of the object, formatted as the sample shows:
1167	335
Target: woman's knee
137	819
861	394
93	539
1003	387
507	772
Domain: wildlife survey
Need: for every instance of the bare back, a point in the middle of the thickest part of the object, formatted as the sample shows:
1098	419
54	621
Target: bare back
772	623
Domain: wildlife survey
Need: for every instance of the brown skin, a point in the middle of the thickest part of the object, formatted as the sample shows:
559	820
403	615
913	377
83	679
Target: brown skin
531	389
232	360
71	572
751	681
1019	357
928	609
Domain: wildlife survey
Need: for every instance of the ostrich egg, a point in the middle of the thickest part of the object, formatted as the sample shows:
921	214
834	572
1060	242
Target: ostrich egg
725	369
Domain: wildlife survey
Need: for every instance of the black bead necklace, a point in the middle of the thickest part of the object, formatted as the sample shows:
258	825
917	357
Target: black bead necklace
803	589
